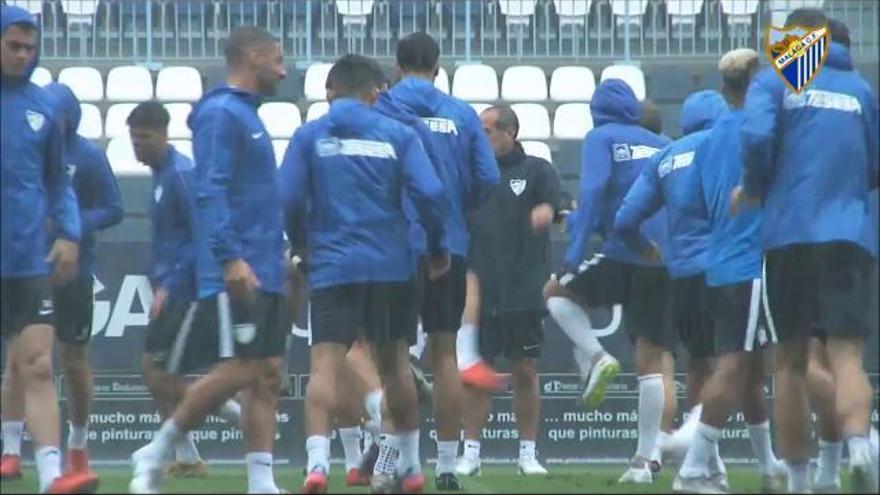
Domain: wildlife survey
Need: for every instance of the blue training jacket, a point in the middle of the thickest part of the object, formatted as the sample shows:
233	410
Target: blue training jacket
465	156
172	263
347	172
812	157
97	193
668	180
34	182
239	208
614	154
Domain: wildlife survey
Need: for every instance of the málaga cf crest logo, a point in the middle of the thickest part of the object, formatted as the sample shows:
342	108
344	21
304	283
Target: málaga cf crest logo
797	53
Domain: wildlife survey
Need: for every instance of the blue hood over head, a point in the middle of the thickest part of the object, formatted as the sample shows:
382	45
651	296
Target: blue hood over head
701	110
66	104
10	15
614	102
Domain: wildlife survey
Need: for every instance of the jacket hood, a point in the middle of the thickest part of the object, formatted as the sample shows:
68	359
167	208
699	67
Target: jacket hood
64	102
418	95
614	102
839	57
350	114
701	110
219	91
389	106
10	15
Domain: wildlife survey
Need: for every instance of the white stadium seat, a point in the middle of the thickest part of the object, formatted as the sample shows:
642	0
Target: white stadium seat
779	9
572	83
537	148
314	86
79	11
630	74
41	76
683	13
183	146
122	159
177	128
181	83
739	12
85	82
628	11
524	83
475	82
354	11
480	107
572	121
572	11
280	147
114	122
534	121
441	82
518	12
317	110
129	83
280	118
90	125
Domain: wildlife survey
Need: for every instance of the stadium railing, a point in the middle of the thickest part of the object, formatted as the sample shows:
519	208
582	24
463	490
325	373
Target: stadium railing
146	31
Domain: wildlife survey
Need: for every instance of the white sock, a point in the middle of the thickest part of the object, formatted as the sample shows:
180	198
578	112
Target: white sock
230	411
373	404
798	476
351	446
12	431
48	466
828	465
716	465
702	449
472	449
78	436
318	449
759	434
447	451
259	472
859	448
526	450
662	439
574	322
467	347
166	439
369	440
389	451
409	460
185	450
650	413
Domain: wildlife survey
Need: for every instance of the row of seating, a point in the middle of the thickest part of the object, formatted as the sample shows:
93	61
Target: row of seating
472	82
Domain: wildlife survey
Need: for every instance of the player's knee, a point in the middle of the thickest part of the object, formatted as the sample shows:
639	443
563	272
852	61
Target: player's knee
552	289
270	379
790	358
36	368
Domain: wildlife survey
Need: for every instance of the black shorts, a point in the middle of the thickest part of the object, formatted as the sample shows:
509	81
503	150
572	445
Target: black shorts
600	281
74	305
442	301
517	334
693	317
819	287
740	322
225	328
25	301
380	311
172	335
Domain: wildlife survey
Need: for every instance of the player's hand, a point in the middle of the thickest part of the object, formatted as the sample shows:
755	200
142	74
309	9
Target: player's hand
651	253
159	297
63	257
438	266
739	200
240	280
542	217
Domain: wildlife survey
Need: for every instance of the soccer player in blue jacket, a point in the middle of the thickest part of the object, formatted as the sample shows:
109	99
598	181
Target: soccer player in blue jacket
36	198
360	266
469	171
239	262
811	159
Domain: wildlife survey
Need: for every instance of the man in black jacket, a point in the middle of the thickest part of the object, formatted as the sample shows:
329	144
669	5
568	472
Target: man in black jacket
510	258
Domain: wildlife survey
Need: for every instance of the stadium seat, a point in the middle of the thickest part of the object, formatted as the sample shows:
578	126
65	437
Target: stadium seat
739	15
177	128
572	12
441	82
572	83
524	83
475	82
41	76
354	12
537	148
184	146
779	9
122	159
280	118
317	110
534	121
86	83
572	121
90	125
630	74
480	107
181	83
79	11
683	16
316	80
129	83
35	7
114	122
629	11
280	147
517	12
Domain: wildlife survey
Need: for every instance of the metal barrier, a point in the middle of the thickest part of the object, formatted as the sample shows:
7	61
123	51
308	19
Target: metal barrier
150	30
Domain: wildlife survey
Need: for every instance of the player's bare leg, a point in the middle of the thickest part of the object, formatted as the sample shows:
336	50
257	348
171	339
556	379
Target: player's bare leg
822	390
78	378
259	404
12	408
448	398
649	367
527	406
475	372
474	417
792	410
348	413
322	399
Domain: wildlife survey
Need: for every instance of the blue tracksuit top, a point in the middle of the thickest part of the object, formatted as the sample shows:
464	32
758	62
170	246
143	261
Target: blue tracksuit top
34	181
346	173
614	153
97	193
668	180
812	157
465	156
172	264
239	208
